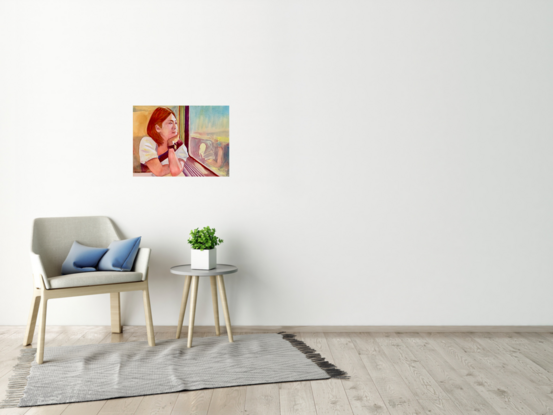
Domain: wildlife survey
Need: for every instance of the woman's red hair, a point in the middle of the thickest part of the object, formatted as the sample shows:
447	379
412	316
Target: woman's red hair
159	115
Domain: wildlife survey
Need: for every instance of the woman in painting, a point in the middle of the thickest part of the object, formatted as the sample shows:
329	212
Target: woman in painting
161	151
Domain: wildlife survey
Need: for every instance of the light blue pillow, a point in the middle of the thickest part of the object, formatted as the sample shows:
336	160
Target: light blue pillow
120	255
82	259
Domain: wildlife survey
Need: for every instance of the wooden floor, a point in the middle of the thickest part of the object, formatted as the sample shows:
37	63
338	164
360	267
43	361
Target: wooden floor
391	373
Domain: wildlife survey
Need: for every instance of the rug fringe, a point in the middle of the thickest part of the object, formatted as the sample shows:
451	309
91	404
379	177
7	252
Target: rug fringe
315	357
18	381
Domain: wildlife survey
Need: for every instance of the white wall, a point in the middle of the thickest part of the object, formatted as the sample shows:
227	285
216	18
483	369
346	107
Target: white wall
391	161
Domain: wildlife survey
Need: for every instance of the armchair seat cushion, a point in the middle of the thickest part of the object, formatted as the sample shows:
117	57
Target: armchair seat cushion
94	278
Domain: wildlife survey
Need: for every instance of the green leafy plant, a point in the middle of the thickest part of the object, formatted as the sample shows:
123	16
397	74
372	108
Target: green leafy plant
204	238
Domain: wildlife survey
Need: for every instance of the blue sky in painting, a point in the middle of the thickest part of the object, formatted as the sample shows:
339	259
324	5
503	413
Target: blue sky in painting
209	118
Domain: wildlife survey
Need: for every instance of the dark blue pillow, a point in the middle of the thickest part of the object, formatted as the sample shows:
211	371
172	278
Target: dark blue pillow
120	255
82	259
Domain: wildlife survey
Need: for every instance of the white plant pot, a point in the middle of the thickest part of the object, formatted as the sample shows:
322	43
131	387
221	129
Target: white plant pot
206	259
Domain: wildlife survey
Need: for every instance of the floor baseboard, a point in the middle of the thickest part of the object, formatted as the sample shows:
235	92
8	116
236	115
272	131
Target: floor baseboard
368	329
336	329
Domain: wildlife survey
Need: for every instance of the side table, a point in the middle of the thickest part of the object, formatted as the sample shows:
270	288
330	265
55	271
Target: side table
192	277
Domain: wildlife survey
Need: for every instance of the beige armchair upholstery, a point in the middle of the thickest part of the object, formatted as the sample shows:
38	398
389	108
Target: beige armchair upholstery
51	241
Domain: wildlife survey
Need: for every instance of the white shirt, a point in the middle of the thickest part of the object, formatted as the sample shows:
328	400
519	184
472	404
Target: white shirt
148	151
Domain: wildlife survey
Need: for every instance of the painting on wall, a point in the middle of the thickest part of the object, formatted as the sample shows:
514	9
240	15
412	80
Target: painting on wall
180	141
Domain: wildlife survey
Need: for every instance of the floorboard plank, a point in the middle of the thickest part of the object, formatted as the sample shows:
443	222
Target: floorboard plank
547	336
490	386
440	407
539	377
14	411
467	399
7	336
540	351
415	376
346	357
394	391
527	348
121	406
296	398
228	401
160	404
84	408
517	372
364	398
360	389
193	402
47	410
330	396
263	399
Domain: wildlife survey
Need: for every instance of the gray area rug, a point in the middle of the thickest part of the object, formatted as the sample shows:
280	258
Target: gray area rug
106	371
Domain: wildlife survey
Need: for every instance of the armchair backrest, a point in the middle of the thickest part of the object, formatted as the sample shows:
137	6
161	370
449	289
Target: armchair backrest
52	238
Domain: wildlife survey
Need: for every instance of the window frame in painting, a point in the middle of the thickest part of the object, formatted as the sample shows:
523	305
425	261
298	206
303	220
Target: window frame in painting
184	113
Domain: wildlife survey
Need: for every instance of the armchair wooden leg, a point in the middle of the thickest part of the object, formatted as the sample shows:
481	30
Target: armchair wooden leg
149	322
42	332
215	304
115	303
183	304
223	293
31	324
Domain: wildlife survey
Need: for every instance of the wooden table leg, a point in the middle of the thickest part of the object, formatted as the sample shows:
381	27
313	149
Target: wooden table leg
193	299
223	293
183	304
215	304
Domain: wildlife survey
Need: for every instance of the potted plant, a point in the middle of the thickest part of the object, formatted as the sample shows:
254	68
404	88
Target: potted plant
203	242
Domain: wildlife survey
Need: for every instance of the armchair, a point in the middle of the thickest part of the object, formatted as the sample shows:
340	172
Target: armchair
51	241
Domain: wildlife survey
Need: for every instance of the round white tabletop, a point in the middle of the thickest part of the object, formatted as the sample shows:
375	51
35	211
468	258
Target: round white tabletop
221	269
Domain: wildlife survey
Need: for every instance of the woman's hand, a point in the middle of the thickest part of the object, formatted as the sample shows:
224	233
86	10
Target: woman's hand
172	142
174	164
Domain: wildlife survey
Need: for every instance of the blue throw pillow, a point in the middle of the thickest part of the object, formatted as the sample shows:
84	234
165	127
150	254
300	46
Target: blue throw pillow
120	255
82	259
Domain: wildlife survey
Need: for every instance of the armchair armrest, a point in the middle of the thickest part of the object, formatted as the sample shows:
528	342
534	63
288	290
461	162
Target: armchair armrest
142	261
39	274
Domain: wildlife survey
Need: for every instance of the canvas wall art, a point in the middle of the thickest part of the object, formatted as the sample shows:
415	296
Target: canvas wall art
180	141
